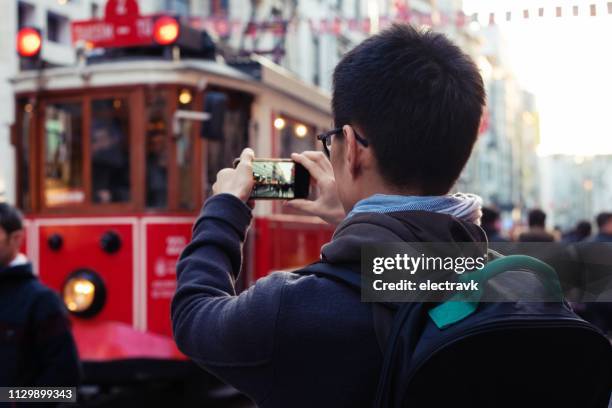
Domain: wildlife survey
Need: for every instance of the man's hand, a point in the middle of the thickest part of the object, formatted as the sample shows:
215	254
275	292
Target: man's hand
239	181
327	204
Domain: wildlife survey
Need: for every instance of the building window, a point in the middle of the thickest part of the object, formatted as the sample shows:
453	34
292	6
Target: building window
95	11
58	28
25	15
316	78
180	7
219	7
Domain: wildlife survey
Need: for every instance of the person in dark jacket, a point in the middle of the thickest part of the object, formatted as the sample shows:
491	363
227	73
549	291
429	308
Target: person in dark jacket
407	106
596	255
581	232
604	227
491	225
36	344
537	228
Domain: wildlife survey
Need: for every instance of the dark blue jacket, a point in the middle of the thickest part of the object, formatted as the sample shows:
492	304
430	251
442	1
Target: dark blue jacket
36	345
289	340
602	237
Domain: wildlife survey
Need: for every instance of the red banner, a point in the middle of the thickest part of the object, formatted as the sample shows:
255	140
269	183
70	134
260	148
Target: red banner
122	27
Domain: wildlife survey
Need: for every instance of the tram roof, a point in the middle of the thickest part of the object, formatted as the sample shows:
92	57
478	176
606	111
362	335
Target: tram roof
187	72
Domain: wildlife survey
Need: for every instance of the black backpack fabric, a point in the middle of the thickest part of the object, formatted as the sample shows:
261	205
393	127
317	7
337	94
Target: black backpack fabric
489	354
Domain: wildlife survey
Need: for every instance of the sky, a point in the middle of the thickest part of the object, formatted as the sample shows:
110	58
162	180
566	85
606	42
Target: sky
566	62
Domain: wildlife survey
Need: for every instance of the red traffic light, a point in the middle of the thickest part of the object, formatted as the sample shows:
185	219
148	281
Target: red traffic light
166	30
29	42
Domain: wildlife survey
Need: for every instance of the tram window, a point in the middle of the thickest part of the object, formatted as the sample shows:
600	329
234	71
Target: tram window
110	160
235	134
23	137
157	149
296	137
184	161
63	155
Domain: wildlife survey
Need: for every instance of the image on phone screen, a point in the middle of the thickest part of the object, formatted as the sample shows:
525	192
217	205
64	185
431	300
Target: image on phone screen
274	179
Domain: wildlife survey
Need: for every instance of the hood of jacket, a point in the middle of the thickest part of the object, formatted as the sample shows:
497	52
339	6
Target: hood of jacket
404	226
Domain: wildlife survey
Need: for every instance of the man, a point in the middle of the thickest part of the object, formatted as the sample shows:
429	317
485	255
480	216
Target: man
537	228
36	346
596	256
581	232
407	106
604	226
491	225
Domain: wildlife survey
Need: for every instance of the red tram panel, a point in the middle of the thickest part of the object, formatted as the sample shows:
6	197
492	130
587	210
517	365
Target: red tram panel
287	243
165	239
81	249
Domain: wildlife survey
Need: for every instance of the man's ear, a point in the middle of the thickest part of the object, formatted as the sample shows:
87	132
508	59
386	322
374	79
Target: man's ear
351	150
16	239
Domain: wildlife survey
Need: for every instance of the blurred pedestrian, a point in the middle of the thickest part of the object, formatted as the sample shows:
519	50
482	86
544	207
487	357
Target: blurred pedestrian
581	231
36	345
537	228
604	227
491	223
595	254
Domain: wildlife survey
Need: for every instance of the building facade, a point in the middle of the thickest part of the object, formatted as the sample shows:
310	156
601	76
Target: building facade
576	188
504	167
318	33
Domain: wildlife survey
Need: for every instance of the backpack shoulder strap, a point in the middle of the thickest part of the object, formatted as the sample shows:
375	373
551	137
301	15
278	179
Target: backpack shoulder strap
460	306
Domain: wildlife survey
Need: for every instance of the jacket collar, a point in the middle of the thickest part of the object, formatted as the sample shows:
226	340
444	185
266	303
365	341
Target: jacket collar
17	272
404	226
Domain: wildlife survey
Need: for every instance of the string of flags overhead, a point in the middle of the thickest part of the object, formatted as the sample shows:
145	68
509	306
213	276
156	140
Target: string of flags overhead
224	27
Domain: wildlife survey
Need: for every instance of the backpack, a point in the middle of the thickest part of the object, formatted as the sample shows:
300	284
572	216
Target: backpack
464	352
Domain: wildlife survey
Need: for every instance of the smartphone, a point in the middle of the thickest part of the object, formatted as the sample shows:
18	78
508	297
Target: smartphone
279	179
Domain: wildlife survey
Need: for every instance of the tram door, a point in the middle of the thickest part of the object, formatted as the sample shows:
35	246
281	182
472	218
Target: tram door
84	170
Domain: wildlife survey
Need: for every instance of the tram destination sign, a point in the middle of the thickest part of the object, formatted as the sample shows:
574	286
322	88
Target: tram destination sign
122	26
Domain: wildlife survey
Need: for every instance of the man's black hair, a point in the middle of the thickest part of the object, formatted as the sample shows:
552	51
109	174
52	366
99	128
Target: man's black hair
418	99
583	229
603	218
489	216
537	218
11	219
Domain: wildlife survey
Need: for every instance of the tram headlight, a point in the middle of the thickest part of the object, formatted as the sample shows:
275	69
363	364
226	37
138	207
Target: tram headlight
84	293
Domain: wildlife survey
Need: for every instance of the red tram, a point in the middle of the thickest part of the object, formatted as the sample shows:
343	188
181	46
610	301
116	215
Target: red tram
115	156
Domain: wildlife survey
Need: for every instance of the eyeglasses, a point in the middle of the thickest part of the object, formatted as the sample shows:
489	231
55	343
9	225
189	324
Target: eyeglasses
325	138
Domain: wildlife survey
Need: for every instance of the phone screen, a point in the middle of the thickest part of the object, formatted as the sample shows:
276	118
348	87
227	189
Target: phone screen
279	179
274	179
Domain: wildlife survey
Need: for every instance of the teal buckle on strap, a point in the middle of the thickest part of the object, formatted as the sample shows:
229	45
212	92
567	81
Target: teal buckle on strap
451	312
462	305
